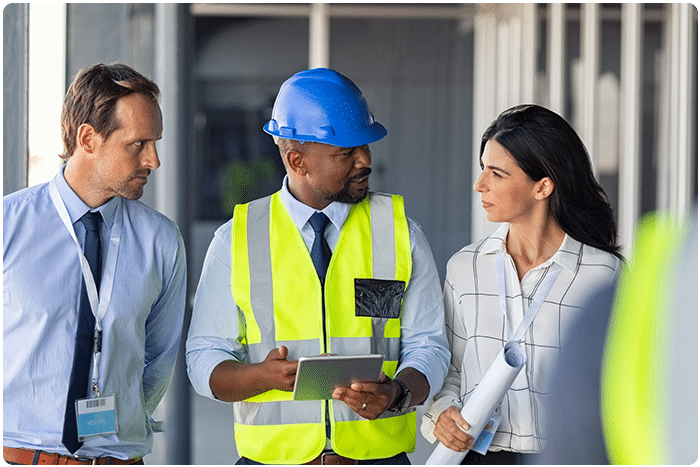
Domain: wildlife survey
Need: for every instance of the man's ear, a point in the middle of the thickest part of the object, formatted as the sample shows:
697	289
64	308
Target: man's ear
545	188
295	161
87	138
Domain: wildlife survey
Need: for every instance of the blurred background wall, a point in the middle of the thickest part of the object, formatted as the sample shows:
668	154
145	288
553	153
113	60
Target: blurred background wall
625	76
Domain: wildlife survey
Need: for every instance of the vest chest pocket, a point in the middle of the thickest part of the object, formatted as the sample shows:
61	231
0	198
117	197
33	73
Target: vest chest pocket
378	298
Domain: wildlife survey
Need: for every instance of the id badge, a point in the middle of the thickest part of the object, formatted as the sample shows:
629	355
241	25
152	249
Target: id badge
482	443
96	417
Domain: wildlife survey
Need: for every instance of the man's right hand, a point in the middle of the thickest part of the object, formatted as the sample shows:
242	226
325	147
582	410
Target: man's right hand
448	431
282	373
232	381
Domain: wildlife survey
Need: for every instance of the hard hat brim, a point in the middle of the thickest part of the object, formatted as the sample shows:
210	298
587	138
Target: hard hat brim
366	135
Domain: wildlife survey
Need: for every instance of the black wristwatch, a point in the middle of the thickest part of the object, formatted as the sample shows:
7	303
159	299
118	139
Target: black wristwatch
404	399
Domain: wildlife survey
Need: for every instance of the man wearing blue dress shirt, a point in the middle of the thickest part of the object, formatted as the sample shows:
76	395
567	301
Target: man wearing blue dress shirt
111	121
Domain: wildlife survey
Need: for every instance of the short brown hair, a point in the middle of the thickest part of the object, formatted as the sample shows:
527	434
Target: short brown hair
92	99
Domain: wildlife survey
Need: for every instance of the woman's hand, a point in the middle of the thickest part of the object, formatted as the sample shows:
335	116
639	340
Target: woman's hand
451	429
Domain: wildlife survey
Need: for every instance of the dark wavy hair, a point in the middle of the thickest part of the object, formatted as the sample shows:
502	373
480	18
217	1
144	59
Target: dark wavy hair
93	96
545	145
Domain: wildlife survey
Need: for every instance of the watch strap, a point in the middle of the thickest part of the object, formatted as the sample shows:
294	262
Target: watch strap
404	399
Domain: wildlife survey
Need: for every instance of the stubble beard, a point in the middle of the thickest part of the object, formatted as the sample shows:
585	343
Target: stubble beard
133	192
345	196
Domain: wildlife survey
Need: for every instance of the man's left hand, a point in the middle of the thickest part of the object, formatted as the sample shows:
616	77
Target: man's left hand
369	400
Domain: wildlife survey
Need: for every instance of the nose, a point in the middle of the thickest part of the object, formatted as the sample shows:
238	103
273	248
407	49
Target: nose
479	184
364	157
151	160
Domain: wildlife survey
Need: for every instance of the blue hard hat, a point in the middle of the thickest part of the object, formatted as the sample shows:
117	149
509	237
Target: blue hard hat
323	106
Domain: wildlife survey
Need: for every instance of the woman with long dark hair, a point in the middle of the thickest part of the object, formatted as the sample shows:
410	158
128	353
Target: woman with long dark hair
527	281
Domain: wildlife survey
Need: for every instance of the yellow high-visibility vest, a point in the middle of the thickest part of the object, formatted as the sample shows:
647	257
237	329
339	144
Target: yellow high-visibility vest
275	285
635	378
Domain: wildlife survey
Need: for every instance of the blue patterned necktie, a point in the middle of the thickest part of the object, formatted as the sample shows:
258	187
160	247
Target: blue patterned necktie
80	377
320	251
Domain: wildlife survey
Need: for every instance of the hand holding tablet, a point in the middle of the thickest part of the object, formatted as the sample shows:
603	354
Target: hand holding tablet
318	376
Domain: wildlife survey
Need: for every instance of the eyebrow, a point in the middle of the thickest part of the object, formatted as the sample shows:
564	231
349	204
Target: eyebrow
495	167
139	136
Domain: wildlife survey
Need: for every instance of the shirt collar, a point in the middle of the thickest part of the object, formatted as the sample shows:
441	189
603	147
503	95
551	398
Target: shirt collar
566	256
496	241
76	207
568	253
300	212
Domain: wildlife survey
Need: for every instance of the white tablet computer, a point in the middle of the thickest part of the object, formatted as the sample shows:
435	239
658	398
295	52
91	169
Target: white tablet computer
318	376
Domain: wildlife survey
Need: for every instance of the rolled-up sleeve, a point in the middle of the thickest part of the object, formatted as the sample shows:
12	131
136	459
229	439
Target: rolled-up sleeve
423	341
214	334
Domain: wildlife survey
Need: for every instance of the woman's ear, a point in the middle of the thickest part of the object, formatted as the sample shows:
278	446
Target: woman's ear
545	188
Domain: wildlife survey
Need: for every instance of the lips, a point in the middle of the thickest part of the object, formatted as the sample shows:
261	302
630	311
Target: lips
362	177
360	181
142	176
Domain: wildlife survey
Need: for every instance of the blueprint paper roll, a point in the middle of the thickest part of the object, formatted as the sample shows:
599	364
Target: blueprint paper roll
484	399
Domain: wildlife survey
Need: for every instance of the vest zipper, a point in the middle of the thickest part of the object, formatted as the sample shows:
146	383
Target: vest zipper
325	350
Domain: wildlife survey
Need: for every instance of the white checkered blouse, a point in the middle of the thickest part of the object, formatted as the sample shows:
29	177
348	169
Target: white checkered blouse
476	329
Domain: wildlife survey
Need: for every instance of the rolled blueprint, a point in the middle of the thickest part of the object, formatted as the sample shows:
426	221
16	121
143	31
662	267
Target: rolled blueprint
484	399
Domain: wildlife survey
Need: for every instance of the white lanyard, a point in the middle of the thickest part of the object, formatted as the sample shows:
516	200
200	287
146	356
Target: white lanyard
537	300
98	306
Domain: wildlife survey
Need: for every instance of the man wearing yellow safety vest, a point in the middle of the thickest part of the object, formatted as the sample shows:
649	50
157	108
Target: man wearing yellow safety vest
321	266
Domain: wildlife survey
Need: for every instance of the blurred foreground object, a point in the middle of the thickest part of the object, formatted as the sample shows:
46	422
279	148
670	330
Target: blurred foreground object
649	374
625	388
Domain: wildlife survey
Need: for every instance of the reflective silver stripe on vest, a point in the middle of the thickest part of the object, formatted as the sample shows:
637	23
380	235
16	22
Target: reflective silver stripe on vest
298	348
260	264
278	412
382	218
343	413
391	348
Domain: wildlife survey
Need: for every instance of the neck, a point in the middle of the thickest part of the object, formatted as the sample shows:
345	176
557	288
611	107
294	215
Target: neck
534	243
306	196
78	177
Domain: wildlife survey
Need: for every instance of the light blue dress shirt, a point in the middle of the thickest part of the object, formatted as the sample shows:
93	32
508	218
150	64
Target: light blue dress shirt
41	292
214	334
